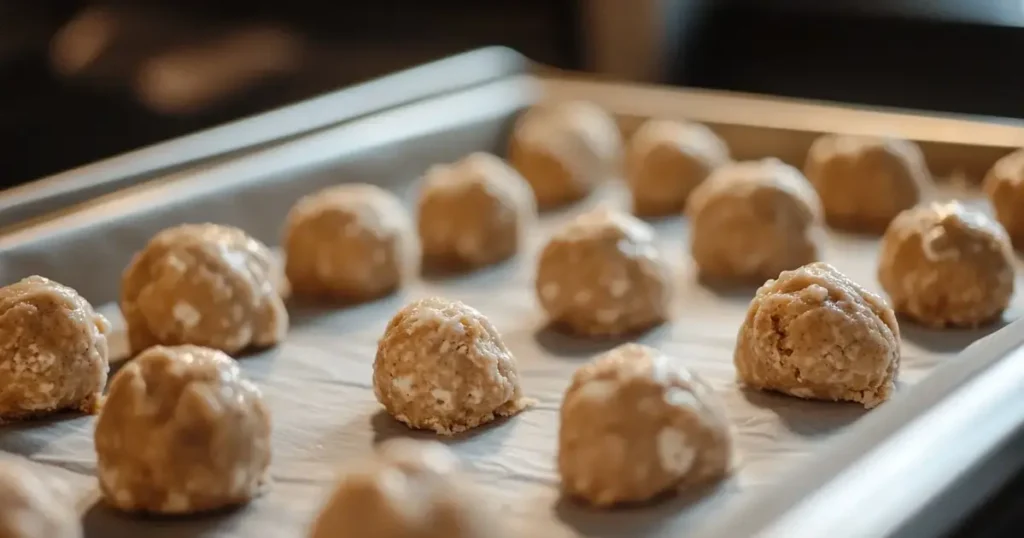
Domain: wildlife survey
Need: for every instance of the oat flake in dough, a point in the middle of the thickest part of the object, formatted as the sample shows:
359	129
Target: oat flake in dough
442	366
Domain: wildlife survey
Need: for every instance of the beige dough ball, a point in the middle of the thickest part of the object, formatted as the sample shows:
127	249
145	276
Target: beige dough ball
602	275
411	489
814	333
182	431
666	160
751	220
1004	186
635	424
30	507
474	212
565	150
442	366
944	265
864	182
350	243
53	350
203	284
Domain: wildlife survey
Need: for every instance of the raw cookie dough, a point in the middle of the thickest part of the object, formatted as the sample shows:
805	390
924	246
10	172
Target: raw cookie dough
1004	186
666	160
30	507
864	182
411	489
53	350
565	150
602	275
944	265
182	431
635	424
203	284
442	366
814	333
751	220
350	243
474	212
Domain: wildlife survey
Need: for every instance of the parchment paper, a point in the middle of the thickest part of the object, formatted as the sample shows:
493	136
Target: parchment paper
317	384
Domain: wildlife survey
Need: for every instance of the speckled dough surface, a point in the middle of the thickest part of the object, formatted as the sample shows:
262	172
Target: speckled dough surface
32	506
753	220
814	333
53	350
207	285
637	423
943	264
603	275
666	160
350	243
864	182
1004	186
182	431
442	366
474	212
410	489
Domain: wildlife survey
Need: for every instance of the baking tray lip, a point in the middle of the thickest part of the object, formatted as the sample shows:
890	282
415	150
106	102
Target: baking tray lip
422	82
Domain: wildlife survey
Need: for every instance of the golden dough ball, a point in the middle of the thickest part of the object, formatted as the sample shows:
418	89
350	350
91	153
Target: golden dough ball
1004	186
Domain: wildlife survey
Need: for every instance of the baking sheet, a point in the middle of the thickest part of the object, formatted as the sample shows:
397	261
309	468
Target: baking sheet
317	384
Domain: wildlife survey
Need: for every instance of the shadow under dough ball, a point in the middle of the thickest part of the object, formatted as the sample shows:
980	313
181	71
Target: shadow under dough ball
181	432
1004	186
667	160
944	265
207	285
474	212
813	333
349	243
602	275
564	150
751	220
864	182
442	366
53	350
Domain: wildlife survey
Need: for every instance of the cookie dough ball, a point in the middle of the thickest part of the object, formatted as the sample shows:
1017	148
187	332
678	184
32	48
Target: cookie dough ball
635	424
602	275
1004	186
474	212
53	350
374	501
814	333
751	220
203	284
32	507
442	366
565	150
350	243
944	265
666	160
864	182
182	431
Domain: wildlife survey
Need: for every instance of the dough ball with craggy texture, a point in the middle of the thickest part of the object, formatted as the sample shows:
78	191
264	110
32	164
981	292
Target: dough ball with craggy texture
350	243
410	489
635	424
602	275
944	265
1004	185
31	507
204	284
864	182
53	350
751	220
474	212
666	160
442	366
182	431
814	333
565	150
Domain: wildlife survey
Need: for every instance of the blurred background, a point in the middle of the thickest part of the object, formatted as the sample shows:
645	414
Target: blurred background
84	80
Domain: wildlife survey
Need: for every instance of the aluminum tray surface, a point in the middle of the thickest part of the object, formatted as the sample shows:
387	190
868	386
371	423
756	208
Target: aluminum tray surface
317	382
